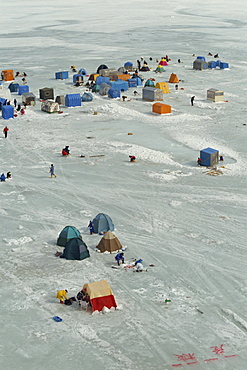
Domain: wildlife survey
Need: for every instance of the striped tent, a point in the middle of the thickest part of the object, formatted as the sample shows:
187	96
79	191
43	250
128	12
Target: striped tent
100	294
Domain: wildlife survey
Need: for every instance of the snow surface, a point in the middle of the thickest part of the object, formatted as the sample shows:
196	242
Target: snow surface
191	226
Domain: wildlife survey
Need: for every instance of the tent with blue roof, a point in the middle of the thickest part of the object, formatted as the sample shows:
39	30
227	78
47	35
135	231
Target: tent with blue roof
87	97
69	232
102	223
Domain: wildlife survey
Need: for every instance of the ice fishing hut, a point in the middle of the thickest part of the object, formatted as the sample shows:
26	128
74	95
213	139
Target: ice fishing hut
161	108
60	99
62	75
7	111
29	98
78	79
13	87
152	94
23	89
215	95
209	157
46	93
200	64
73	100
8	75
50	106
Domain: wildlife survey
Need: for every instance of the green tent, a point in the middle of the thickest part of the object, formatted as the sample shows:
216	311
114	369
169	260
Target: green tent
66	234
75	249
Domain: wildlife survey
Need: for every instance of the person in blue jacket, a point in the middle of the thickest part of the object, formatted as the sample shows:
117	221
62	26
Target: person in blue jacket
119	257
91	228
2	177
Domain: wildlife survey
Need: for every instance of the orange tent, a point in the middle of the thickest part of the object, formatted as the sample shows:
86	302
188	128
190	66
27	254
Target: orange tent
8	75
161	108
173	78
100	294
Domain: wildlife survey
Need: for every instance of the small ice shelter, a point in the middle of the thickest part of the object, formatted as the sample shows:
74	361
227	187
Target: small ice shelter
209	157
100	294
163	86
29	98
23	89
173	78
46	93
73	100
200	64
7	111
8	75
62	75
152	94
50	106
13	87
60	99
161	108
215	95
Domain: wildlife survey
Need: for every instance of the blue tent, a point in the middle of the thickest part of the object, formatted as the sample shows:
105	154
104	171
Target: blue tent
13	87
7	111
120	85
138	79
77	77
132	82
82	71
102	223
73	100
23	89
101	79
87	97
69	232
113	93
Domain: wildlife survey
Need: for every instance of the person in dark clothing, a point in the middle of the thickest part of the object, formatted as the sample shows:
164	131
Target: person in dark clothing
216	55
119	257
18	107
179	61
192	100
5	131
8	175
138	65
132	158
65	150
176	87
91	227
15	103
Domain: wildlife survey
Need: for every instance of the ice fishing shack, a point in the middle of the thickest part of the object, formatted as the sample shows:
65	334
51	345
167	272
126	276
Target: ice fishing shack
209	157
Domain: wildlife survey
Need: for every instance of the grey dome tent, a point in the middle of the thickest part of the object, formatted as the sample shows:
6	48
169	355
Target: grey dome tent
102	223
87	97
75	249
69	232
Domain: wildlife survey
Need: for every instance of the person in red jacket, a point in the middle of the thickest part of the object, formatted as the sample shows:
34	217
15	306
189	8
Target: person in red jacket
5	131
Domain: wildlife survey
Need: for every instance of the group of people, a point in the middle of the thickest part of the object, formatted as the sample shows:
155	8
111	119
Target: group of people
3	177
82	298
136	264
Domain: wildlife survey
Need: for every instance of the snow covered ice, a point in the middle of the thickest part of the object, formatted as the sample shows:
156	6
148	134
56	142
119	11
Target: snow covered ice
166	209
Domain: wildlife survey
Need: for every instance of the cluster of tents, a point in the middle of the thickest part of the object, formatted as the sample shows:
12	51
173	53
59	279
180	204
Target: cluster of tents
75	248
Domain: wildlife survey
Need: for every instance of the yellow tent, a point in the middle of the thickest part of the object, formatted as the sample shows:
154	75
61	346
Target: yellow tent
163	86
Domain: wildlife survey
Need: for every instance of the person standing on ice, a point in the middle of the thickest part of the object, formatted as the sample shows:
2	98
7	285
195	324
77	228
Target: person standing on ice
192	100
5	131
91	227
52	171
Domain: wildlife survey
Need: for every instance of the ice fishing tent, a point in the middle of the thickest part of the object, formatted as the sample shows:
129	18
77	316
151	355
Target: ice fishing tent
75	249
123	76
145	68
163	62
128	66
78	78
161	108
104	88
62	75
96	88
73	100
100	294
120	85
215	95
132	82
107	72
200	64
7	111
163	86
29	98
173	78
152	94
209	157
50	106
149	83
82	71
69	232
113	93
60	99
23	89
100	80
159	69
102	66
8	75
13	87
109	242
87	97
138	79
46	93
102	223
